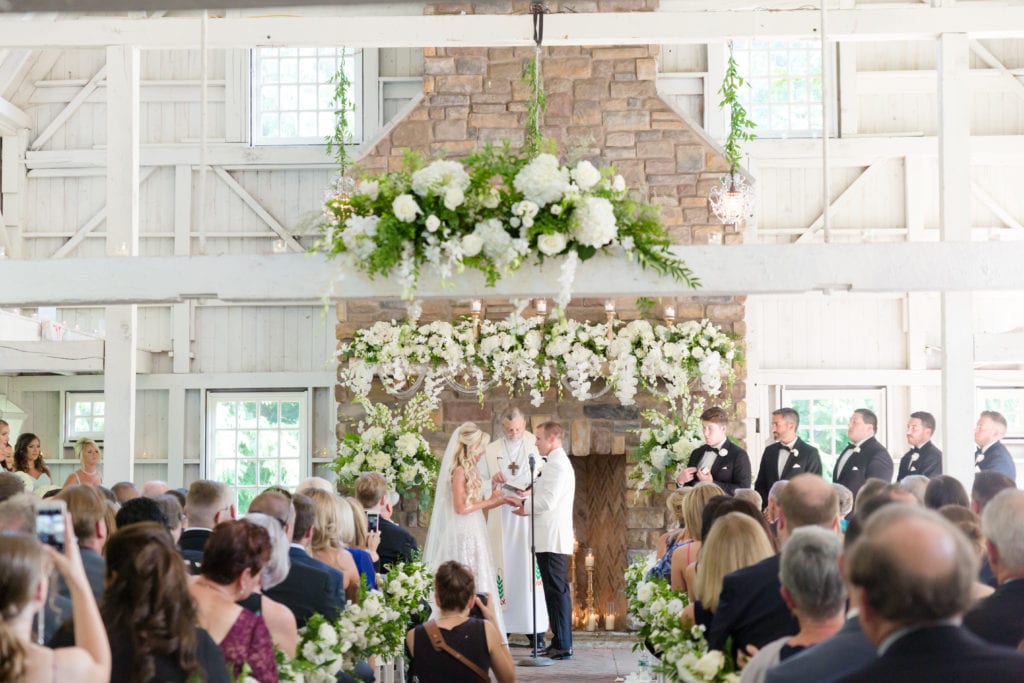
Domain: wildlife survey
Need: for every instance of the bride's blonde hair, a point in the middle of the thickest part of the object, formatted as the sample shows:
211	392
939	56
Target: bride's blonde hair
471	439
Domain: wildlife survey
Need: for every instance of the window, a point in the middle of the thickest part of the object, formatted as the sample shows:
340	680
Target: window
292	93
1008	401
256	440
782	93
84	416
825	414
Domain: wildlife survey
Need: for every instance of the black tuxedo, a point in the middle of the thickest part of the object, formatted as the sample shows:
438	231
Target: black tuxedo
942	653
998	458
396	545
191	545
872	462
999	618
928	463
730	471
806	459
309	589
750	608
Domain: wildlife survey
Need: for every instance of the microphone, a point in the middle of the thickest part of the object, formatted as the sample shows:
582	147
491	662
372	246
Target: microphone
533	462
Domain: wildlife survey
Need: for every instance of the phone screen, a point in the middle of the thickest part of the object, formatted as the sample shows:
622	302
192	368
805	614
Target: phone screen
373	521
50	527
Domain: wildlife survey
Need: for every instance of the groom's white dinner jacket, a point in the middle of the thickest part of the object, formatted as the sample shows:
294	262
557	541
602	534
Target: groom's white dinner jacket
552	498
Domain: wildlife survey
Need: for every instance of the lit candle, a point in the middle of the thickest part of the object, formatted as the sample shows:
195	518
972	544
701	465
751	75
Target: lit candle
609	306
541	306
589	561
670	311
475	305
609	622
592	622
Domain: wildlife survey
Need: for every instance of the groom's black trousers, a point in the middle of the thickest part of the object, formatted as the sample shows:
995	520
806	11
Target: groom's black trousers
554	572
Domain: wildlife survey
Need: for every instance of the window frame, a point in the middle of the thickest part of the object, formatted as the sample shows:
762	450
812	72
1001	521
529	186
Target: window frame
69	400
1014	421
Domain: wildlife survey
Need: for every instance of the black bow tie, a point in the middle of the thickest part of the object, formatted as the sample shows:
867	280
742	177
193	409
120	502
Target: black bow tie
915	449
978	452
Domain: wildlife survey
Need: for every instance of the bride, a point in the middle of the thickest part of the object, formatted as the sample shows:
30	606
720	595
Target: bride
458	530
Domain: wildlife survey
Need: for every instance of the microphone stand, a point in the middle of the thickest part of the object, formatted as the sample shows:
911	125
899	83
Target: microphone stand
535	660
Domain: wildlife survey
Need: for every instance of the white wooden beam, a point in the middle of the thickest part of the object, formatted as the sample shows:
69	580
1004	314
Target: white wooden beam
843	197
986	56
67	112
258	209
12	118
1002	348
92	223
613	28
51	356
12	188
995	207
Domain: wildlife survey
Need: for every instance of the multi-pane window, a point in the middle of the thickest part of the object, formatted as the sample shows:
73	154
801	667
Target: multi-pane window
84	416
292	93
825	415
783	90
256	441
1009	402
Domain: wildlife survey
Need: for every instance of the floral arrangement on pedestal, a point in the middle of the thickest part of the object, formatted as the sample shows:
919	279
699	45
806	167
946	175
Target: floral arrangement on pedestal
391	442
682	650
665	445
503	207
526	353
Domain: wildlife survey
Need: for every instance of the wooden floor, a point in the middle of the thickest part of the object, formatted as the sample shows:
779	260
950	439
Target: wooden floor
605	657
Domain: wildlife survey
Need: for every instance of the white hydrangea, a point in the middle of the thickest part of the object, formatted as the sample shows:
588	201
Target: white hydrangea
371	188
543	180
619	183
585	175
408	444
471	244
453	198
594	223
327	635
405	207
373	435
439	177
378	460
551	245
710	664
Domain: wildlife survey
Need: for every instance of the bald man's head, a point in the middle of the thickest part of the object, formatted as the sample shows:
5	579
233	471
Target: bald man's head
808	500
911	567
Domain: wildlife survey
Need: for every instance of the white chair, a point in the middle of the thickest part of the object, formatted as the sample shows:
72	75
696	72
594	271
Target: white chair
390	671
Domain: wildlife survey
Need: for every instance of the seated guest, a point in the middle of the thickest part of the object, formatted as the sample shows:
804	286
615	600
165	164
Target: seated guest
911	571
10	485
125	491
734	542
311	586
686	551
88	453
232	566
945	490
719	460
812	587
771	510
316	483
280	620
88	511
364	538
154	488
985	487
396	544
845	500
750	608
749	495
999	618
969	523
720	506
349	523
18	513
872	487
916	484
141	510
24	569
478	640
174	513
327	545
207	504
674	503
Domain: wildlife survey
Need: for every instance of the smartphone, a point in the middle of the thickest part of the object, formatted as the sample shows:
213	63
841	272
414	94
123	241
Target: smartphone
50	523
475	611
373	521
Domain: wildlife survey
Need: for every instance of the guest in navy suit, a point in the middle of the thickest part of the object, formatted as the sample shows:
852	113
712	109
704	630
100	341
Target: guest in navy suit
863	458
992	455
751	610
788	456
719	459
396	544
924	457
911	572
999	618
207	504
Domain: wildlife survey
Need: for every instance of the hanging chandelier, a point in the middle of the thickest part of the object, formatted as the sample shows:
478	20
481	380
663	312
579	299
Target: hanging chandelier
732	200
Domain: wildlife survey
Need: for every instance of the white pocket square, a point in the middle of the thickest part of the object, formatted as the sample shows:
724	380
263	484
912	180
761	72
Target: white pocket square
725	467
913	469
796	466
853	469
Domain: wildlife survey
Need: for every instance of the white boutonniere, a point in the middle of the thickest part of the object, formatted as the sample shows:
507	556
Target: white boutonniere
722	452
856	450
914	457
794	452
977	460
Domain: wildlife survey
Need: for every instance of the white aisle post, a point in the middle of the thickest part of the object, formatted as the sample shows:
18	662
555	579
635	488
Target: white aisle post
122	241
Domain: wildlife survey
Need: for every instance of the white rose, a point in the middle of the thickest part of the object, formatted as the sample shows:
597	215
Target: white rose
471	244
453	198
433	223
556	209
585	175
658	456
618	183
405	207
491	199
549	245
327	635
710	664
644	592
371	188
675	606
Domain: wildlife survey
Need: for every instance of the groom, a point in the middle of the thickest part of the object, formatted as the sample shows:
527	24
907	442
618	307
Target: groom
508	460
552	499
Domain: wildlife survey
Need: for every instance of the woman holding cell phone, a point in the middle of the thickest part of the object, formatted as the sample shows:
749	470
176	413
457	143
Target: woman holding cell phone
24	579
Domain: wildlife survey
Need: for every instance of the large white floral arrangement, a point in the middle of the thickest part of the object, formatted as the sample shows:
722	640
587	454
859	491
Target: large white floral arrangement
502	208
391	442
525	353
682	650
665	445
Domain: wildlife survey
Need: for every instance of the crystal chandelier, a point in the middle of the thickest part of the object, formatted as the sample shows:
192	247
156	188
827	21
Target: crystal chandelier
732	201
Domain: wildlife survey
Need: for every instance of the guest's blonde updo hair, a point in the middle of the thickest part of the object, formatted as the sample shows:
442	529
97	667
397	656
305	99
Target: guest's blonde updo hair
471	441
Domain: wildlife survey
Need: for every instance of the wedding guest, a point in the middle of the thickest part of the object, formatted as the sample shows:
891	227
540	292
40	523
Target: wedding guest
364	538
991	455
845	496
24	568
124	491
357	537
771	510
88	453
327	545
207	504
999	618
916	484
912	572
18	513
141	510
6	452
173	512
478	640
924	458
88	512
720	506
396	544
10	485
945	490
233	562
280	620
674	503
684	556
154	488
719	459
813	589
788	456
863	457
751	496
29	464
987	485
968	522
316	483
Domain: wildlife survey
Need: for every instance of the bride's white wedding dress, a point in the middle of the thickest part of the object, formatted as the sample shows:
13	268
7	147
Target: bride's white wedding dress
462	538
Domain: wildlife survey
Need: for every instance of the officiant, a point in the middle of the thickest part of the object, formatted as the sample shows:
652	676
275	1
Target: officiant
509	534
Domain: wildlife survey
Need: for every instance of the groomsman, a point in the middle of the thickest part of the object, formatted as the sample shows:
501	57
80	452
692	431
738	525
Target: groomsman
788	456
924	457
863	458
719	459
991	453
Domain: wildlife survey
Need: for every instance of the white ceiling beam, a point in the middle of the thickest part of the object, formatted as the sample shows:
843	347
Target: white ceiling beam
839	201
995	207
94	222
735	270
51	356
259	210
612	28
72	106
12	118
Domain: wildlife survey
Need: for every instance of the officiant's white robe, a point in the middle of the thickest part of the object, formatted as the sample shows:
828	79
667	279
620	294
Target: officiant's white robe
509	535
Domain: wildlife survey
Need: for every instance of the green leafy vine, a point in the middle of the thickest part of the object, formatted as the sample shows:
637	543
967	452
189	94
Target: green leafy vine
741	128
343	106
536	104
